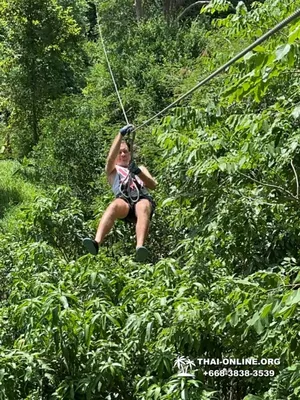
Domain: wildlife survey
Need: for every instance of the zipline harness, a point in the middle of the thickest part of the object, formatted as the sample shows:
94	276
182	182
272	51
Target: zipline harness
130	188
260	40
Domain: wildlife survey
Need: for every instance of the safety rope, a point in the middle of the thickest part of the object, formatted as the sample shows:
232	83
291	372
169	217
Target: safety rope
264	37
109	67
130	177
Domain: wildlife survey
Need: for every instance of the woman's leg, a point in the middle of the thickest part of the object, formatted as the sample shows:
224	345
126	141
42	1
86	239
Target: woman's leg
118	209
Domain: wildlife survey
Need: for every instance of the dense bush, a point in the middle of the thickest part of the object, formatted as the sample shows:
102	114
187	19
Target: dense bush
72	149
223	281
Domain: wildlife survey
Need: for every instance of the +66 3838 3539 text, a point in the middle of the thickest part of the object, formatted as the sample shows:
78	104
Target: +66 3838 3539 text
239	372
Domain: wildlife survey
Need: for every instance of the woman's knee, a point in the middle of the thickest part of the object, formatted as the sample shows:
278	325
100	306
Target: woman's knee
143	207
119	208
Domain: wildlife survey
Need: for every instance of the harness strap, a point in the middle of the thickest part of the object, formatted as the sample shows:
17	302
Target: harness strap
126	189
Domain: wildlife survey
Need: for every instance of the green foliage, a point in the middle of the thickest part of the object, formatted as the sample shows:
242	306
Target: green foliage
13	190
72	150
154	59
224	278
58	220
42	58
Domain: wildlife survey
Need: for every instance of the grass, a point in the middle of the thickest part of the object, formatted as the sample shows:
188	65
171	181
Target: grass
15	193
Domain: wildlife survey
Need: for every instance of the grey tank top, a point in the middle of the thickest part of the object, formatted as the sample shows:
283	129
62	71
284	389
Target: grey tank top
120	177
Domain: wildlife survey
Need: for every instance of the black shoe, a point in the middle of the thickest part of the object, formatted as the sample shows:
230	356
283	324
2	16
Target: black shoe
142	254
91	245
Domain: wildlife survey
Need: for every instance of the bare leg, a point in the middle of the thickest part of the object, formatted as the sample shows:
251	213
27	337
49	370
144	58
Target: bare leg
117	209
142	211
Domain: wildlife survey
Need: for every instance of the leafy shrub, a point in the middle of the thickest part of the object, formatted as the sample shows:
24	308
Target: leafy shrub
71	151
58	220
13	189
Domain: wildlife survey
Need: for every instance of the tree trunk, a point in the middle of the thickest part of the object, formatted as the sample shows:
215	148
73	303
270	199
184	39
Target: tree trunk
139	9
167	8
34	116
179	3
33	83
170	6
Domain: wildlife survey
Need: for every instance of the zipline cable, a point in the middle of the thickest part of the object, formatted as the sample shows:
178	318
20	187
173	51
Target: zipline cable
109	67
260	40
271	32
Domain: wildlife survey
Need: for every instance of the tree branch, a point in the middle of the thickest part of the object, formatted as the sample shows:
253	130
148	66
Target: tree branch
202	2
270	185
139	9
297	181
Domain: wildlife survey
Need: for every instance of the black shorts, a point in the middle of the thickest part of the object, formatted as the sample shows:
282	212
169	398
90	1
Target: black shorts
131	217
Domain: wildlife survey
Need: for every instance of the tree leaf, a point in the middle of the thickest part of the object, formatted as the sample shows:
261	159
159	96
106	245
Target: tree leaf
293	298
297	279
266	310
296	112
294	34
282	51
64	301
